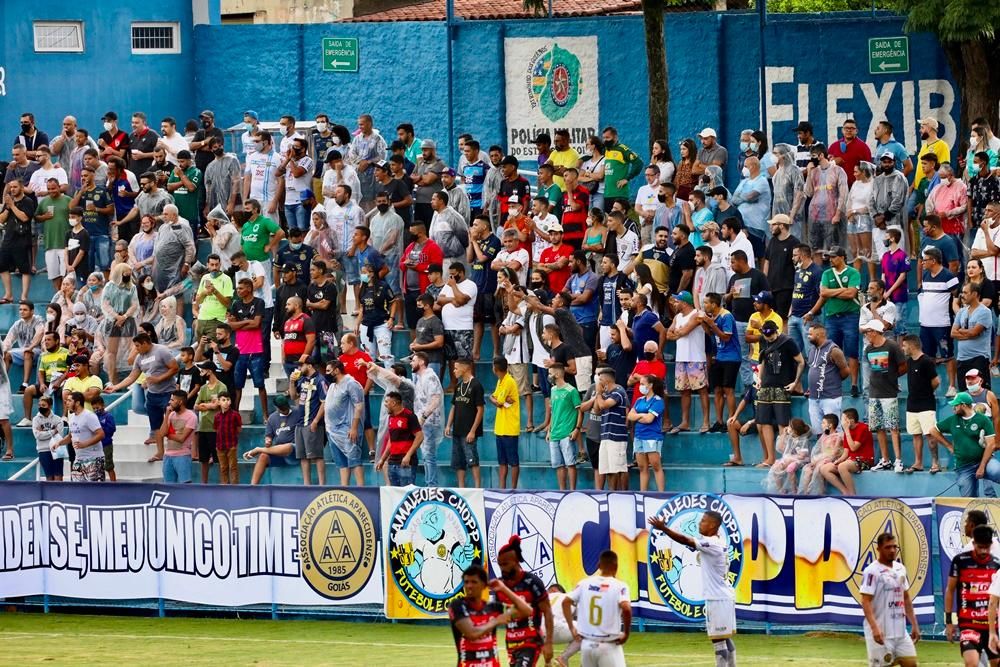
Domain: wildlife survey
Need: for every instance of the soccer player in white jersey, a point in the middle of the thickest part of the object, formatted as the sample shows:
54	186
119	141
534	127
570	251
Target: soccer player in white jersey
885	599
605	615
720	599
560	626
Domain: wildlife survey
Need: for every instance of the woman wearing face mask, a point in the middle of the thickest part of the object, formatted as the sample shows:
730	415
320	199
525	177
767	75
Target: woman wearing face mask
592	172
538	282
320	236
597	235
984	187
375	304
140	248
171	329
662	158
712	178
119	305
149	301
979	143
684	178
859	218
647	415
92	293
66	297
53	319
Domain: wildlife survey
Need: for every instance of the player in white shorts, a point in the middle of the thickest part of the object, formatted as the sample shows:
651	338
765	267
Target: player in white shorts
720	599
885	599
560	626
605	615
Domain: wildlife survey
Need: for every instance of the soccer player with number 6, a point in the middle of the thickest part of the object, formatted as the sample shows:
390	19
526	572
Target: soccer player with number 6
604	615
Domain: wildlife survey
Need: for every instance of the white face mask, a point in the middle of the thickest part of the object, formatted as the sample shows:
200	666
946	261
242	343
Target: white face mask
107	126
973	388
321	127
643	389
50	317
746	172
148	284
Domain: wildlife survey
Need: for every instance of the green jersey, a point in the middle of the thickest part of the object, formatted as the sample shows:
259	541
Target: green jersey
849	277
565	400
255	235
55	228
187	200
208	393
620	162
968	435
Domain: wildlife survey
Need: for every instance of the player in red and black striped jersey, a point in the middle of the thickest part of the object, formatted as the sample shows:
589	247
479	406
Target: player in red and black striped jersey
474	619
525	640
968	590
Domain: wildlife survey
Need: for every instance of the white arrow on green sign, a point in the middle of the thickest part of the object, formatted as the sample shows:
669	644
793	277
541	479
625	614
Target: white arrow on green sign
888	55
340	54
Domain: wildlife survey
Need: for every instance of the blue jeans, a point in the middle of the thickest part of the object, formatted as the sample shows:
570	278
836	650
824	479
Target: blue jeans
433	433
967	482
900	327
798	330
843	331
819	407
297	216
177	469
99	256
138	399
400	476
156	405
746	374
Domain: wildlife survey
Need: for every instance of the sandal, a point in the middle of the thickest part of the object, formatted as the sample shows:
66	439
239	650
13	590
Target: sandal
677	429
6	300
154	459
9	456
762	465
705	429
912	469
732	464
935	469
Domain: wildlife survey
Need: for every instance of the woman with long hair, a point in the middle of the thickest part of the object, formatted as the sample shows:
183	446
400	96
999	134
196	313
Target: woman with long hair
597	235
119	305
140	248
647	415
592	172
320	236
663	160
758	142
375	306
684	176
66	297
646	285
859	217
149	300
979	142
53	319
171	329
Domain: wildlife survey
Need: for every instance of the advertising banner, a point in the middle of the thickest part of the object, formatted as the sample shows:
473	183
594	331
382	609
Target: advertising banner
214	545
951	537
551	84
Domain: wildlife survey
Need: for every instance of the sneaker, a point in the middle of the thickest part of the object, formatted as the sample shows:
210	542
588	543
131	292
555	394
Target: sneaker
581	458
883	464
898	466
371	456
855	392
23	388
951	392
717	427
25	422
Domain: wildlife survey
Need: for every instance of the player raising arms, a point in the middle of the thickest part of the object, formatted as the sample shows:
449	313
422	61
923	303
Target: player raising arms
970	577
474	620
720	599
605	615
885	599
525	641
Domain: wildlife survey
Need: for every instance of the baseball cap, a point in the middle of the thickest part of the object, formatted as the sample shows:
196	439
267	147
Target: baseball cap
111	115
803	126
886	155
281	401
251	113
961	398
873	325
542	138
383	165
780	219
555	227
707	132
208	366
768	328
514	199
930	122
207	113
449	171
510	159
685	296
81	359
287	268
427	143
835	251
764	297
973	373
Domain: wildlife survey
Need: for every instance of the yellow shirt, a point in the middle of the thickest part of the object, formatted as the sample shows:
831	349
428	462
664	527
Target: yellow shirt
566	158
508	420
755	325
81	385
939	148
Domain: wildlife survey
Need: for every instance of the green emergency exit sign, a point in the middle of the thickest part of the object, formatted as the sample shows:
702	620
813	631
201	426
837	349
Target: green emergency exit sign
340	54
888	55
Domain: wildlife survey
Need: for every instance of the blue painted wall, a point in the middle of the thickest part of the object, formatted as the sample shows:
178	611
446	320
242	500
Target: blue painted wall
105	76
818	68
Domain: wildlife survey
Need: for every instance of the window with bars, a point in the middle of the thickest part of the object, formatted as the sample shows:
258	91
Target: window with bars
152	38
58	36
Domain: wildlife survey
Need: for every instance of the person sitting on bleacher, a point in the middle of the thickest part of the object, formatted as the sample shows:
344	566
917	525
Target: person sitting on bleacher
279	439
24	340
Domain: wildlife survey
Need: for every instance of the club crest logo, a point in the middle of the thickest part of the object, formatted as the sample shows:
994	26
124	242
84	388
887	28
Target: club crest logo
337	543
888	515
529	517
554	78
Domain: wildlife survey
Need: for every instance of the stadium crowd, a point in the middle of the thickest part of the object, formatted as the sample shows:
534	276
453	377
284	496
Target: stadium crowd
787	283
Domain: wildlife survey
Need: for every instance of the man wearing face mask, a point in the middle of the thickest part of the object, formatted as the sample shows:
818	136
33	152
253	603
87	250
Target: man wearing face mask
973	434
202	139
30	137
250	124
296	172
826	185
621	165
888	198
950	200
174	246
113	141
184	184
323	139
223	179
753	199
261	176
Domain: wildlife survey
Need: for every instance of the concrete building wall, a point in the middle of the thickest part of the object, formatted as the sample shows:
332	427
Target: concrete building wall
285	11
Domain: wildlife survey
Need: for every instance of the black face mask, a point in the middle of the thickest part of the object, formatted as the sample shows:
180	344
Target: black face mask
536	284
923	135
44	411
609	144
382	208
815	161
127	278
25	128
649	356
662	198
219	152
206	124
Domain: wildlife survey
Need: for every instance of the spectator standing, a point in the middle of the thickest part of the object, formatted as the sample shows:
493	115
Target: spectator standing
15	250
507	425
185	184
373	321
888	200
950	201
972	332
228	425
322	306
448	229
621	165
646	203
223	179
344	408
805	297
887	363
53	213
610	284
711	153
298	334
207	405
886	142
850	151
613	404
877	308
781	367
404	438
691	370
826	186
215	293
387	239
743	284
725	367
296	170
895	267
259	236
787	184
426	178
779	263
398	193
47	428
414	269
97	211
173	248
563	428
735	237
841	308
514	339
246	319
85	435
430	335
921	406
513	256
934	302
309	388
457	300
367	147
753	199
141	143
261	178
973	447
428	405
483	249
465	422
339	173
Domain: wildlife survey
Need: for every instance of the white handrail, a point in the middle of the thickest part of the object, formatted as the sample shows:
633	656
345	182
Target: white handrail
115	403
23	471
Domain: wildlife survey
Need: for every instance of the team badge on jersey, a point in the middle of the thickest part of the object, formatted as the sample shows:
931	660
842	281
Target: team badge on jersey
337	543
676	572
888	515
434	536
530	517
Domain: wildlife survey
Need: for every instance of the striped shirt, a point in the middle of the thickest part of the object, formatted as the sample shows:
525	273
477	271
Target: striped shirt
613	418
474	177
934	298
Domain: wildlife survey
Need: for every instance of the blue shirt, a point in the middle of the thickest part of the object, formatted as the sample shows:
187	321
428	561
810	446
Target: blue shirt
474	176
480	272
755	213
805	294
643	329
980	345
649	405
578	284
730	349
613	419
896	149
301	258
370	256
107	422
947	246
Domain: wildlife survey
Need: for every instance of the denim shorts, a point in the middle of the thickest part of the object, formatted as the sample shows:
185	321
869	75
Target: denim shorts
99	256
255	364
860	224
562	453
463	454
507	454
646	446
350	450
352	270
51	467
400	476
177	469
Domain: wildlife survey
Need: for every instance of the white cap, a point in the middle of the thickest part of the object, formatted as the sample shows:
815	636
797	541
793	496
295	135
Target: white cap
514	199
873	325
707	132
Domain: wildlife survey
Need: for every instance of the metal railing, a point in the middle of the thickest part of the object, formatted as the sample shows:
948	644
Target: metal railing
34	463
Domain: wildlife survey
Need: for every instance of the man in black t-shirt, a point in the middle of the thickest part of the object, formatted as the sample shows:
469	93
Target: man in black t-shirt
16	213
781	366
465	422
141	143
202	139
223	353
779	267
682	264
921	406
290	286
322	306
887	363
743	284
246	317
400	195
559	352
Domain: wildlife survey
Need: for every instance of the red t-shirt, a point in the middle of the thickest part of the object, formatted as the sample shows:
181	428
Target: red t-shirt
350	361
575	222
523	226
558	277
866	452
402	431
655	367
851	153
295	332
